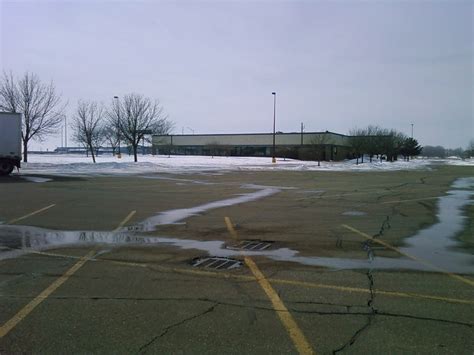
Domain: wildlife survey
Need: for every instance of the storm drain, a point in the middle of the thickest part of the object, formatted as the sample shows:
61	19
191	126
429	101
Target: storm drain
216	262
252	245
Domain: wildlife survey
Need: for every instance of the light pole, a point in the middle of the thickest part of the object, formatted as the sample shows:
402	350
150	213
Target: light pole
65	132
116	98
274	116
412	131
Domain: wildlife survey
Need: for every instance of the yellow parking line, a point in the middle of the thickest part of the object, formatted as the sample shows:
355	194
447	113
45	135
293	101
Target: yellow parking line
277	281
23	313
125	220
389	246
304	284
413	200
26	310
285	316
30	214
296	334
230	228
379	292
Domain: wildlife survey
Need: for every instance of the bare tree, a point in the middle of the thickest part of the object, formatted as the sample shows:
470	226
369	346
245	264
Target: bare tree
358	143
139	115
112	131
112	137
214	148
39	103
88	126
318	145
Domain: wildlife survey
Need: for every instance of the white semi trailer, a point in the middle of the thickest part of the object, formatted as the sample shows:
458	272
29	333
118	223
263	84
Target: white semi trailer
10	142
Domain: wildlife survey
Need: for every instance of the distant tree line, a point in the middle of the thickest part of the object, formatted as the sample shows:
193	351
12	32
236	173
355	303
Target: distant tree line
442	152
126	120
133	117
382	143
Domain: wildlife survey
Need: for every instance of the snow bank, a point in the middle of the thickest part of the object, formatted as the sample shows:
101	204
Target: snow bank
70	164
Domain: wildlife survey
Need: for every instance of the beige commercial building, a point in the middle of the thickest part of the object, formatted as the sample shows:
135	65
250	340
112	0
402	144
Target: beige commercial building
307	145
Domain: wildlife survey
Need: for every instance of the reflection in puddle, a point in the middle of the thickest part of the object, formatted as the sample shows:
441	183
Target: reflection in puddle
434	244
437	243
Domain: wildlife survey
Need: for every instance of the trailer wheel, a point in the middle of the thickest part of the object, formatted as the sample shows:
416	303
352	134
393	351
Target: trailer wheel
6	167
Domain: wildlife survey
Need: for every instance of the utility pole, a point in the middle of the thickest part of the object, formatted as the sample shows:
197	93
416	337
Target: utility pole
274	120
302	130
116	99
65	131
412	130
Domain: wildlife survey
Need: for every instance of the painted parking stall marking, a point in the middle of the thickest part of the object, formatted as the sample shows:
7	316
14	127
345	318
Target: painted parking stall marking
26	310
389	246
294	331
30	214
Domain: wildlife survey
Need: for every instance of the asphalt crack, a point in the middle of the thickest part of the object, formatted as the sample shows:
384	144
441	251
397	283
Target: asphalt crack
372	311
174	325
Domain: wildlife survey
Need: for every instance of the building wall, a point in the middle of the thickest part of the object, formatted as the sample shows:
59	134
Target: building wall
264	139
291	145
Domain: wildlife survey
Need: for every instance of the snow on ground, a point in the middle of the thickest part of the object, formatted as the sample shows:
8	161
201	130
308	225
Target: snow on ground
70	164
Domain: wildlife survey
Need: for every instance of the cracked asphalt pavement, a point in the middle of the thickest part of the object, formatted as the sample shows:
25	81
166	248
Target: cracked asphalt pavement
148	299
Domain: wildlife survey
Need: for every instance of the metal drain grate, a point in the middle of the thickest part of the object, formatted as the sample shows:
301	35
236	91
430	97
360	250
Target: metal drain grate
216	262
252	245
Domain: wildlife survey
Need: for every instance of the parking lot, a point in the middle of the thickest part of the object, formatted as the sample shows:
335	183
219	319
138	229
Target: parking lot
317	262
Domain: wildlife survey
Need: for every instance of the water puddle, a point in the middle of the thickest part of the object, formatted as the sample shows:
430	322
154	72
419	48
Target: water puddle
21	240
437	242
353	213
254	186
433	244
176	216
35	179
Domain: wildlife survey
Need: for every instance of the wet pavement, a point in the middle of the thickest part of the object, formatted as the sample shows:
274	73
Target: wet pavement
139	291
434	244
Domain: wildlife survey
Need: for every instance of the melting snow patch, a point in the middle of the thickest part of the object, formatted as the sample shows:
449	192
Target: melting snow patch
35	179
70	164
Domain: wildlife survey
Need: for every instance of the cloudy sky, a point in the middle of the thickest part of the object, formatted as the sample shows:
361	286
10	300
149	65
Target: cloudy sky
335	65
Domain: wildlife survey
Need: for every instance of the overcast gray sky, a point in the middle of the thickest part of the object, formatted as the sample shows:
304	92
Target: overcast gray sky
335	65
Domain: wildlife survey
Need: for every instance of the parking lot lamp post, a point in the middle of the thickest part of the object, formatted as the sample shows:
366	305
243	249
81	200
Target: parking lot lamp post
274	116
116	98
65	132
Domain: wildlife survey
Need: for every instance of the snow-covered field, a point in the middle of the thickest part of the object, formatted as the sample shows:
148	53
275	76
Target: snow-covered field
106	164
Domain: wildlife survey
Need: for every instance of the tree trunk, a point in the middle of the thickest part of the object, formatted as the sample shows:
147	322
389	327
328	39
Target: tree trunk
92	152
25	151
135	146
